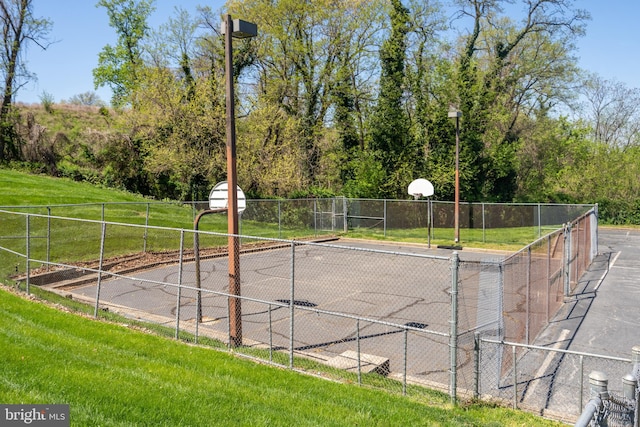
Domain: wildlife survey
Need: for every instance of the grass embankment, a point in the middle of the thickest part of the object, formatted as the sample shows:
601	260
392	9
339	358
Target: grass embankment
114	375
28	191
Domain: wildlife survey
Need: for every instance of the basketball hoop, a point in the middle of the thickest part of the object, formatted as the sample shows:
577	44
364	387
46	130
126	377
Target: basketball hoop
420	187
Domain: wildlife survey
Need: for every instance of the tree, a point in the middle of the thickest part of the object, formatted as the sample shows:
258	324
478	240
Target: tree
118	66
311	59
506	71
19	28
389	128
87	98
613	110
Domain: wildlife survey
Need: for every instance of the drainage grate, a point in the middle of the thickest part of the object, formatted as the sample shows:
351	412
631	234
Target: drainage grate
301	303
416	325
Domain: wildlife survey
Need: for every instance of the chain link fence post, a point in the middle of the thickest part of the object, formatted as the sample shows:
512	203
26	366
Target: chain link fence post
635	373
567	260
598	383
291	302
453	333
100	265
180	273
515	376
48	237
476	365
28	251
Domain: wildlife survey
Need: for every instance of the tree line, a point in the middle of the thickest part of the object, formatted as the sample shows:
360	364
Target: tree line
352	97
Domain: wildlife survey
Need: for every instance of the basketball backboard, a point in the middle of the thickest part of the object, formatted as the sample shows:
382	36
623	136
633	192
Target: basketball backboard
420	188
219	197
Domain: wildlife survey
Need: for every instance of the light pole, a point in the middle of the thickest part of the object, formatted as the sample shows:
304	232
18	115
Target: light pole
239	29
456	214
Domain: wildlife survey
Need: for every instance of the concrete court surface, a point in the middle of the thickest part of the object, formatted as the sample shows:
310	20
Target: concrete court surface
411	290
603	317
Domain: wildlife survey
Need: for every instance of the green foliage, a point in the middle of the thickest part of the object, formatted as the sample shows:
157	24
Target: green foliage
365	174
389	124
619	212
47	100
119	65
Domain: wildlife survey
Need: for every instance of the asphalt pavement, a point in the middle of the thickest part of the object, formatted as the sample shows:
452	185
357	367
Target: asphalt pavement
603	316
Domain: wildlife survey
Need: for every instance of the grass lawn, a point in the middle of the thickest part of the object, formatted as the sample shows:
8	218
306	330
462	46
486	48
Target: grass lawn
116	375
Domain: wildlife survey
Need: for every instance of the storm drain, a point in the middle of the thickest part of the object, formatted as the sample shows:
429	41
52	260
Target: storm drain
298	302
416	325
368	363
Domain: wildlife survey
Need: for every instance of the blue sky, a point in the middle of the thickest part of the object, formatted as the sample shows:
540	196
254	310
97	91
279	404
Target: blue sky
81	29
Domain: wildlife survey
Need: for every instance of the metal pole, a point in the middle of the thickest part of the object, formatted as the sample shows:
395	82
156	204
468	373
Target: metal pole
429	223
235	313
345	214
358	351
547	311
384	217
635	372
179	284
581	363
333	215
515	377
291	301
404	367
484	228
567	260
279	220
28	250
453	333
476	365
146	230
48	237
456	216
539	222
527	297
196	256
102	238
598	385
270	334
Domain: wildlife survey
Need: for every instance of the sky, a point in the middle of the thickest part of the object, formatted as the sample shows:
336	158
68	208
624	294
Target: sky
81	30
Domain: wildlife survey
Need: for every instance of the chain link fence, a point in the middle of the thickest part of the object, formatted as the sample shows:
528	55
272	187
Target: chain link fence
292	218
549	381
393	319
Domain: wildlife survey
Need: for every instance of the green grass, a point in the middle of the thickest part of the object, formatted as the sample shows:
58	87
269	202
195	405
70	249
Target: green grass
114	375
508	239
72	241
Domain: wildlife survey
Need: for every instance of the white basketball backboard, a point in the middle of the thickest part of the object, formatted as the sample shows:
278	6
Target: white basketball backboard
420	188
219	197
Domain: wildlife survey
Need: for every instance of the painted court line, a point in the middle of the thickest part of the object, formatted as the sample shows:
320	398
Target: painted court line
547	361
611	264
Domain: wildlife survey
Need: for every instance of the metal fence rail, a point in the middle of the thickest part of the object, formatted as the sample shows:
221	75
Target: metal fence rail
367	315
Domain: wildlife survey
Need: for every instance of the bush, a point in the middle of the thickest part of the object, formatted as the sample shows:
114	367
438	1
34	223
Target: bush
619	212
